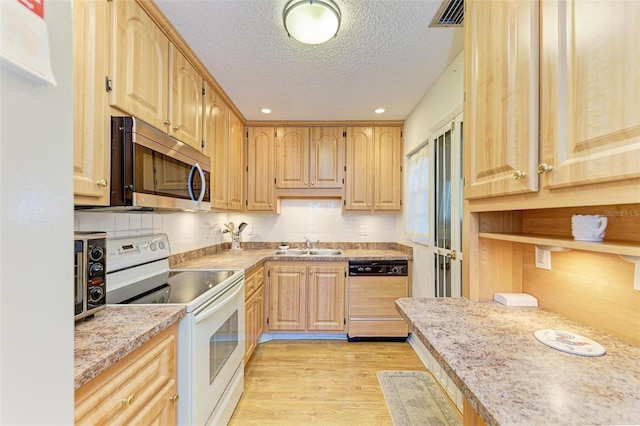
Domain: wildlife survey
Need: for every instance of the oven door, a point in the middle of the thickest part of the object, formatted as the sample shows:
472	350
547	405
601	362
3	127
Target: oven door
218	352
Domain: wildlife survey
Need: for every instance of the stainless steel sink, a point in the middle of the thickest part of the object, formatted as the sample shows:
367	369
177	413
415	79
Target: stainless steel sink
292	252
325	252
307	252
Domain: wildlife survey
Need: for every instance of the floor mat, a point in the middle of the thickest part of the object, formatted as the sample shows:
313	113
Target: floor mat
415	398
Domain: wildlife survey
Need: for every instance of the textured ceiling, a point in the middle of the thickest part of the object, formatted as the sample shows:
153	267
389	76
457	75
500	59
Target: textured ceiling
384	55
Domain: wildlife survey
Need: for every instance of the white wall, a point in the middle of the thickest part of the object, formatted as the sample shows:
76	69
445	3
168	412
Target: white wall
36	232
316	219
443	99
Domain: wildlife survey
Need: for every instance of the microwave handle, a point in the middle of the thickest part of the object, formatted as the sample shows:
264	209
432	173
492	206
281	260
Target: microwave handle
196	167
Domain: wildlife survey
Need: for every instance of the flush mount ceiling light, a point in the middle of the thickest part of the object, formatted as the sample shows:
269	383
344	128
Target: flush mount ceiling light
311	21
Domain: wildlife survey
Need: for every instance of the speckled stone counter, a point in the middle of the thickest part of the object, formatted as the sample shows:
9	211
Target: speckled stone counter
114	332
491	354
249	259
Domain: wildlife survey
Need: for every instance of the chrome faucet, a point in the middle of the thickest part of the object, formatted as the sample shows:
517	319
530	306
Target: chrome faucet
308	243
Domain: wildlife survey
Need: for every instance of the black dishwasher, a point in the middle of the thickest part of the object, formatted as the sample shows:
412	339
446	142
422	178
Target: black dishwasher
374	286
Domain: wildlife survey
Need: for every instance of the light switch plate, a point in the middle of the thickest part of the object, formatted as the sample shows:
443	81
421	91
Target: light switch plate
543	259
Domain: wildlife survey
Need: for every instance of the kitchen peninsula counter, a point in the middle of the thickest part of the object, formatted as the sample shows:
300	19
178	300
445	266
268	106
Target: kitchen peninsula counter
509	378
114	332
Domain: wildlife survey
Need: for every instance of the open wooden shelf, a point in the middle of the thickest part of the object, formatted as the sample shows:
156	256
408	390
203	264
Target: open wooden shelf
630	248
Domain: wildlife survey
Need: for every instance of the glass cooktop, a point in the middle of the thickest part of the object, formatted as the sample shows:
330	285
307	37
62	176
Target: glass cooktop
180	287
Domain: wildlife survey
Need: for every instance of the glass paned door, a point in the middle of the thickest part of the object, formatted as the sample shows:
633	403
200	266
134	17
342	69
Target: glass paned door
447	205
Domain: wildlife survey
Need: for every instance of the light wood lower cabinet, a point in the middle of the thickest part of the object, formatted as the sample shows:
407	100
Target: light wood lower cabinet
139	389
307	296
254	311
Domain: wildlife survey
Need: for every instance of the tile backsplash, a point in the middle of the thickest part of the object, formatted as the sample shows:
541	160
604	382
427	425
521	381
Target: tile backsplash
316	219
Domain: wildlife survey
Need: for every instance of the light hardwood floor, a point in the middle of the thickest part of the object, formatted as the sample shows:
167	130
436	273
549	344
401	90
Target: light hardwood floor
321	382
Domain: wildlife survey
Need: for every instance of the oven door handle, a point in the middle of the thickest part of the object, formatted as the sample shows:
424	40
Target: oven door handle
196	167
214	304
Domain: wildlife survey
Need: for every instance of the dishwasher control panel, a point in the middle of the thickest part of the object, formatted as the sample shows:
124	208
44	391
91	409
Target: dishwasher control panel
378	268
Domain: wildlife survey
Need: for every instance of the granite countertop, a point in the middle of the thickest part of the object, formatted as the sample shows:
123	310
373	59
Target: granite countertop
249	259
490	352
114	332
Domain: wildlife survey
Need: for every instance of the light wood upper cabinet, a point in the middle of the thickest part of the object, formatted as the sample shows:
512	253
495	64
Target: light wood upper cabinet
151	79
91	130
374	169
292	157
309	157
214	120
216	134
501	97
326	157
590	83
227	157
260	169
139	65
185	102
307	296
360	169
236	163
387	184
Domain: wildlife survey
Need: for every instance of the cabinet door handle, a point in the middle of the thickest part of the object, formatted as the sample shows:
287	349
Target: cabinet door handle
544	168
313	183
167	123
102	183
174	398
128	400
176	128
311	272
517	175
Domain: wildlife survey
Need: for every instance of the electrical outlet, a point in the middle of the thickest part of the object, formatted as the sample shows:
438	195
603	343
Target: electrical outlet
543	259
363	230
250	230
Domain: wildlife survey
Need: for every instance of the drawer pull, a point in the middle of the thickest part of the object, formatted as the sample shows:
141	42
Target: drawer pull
128	400
174	398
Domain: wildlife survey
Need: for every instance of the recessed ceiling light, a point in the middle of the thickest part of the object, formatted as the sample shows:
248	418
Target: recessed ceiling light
266	110
379	110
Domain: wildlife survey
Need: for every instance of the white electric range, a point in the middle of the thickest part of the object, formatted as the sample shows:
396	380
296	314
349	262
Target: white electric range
211	337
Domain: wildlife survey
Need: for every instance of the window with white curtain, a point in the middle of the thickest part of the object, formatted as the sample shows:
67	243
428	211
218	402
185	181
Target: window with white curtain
416	208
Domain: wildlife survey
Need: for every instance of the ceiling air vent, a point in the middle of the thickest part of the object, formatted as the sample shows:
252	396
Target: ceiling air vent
450	14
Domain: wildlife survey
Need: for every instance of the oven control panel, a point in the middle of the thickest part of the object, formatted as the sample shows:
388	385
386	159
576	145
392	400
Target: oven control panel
129	251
